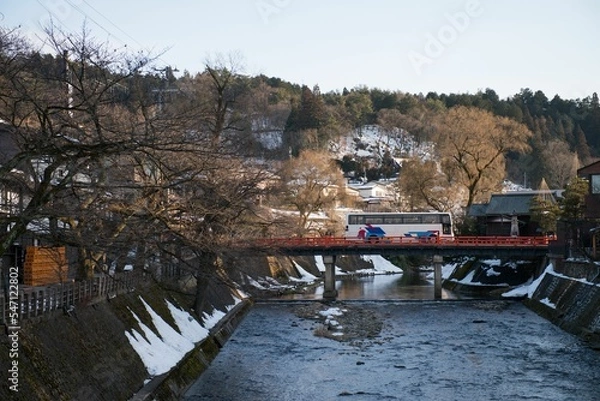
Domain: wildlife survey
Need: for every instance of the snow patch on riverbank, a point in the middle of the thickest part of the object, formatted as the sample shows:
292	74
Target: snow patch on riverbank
528	289
162	350
380	265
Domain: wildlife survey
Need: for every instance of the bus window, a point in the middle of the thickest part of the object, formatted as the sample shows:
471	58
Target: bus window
430	218
393	219
373	219
355	219
412	219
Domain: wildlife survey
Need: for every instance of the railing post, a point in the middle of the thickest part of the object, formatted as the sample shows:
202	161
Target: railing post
27	302
437	276
51	299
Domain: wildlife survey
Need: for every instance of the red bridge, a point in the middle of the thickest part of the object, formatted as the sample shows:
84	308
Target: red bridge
487	246
330	247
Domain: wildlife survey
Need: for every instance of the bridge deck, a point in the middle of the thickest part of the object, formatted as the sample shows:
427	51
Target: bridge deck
490	246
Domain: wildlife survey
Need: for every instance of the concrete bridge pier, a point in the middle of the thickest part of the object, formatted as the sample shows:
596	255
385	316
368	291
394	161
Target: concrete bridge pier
330	293
437	276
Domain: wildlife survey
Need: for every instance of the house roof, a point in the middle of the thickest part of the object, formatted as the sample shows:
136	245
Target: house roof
477	210
369	185
517	203
593	168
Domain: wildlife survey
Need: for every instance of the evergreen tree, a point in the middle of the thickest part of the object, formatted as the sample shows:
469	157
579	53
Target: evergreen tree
573	201
545	210
582	148
306	118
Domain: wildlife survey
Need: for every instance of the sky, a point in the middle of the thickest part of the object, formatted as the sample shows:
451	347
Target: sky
443	46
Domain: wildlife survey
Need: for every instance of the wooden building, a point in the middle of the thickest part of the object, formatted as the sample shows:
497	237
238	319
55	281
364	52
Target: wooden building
508	213
591	173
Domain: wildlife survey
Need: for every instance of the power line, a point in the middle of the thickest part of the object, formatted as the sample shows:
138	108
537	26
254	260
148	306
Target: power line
55	18
145	48
87	16
113	24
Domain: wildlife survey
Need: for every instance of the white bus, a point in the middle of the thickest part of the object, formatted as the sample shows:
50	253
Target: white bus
416	225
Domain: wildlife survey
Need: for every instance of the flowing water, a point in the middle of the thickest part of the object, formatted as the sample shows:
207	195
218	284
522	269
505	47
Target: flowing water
426	350
379	287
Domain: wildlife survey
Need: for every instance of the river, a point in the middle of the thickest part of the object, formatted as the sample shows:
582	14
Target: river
378	287
426	350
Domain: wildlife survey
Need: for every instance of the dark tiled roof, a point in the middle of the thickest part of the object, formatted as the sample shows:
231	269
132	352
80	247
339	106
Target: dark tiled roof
477	210
512	203
592	168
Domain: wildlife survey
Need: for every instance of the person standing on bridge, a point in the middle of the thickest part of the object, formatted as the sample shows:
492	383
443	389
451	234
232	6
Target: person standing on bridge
362	233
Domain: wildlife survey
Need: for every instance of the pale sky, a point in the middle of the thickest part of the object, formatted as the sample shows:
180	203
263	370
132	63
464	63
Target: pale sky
446	46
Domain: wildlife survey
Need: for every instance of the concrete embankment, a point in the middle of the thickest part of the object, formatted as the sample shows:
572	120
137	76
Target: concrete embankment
172	385
86	354
569	296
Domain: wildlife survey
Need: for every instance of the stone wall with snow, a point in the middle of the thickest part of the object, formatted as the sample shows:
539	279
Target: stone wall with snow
571	303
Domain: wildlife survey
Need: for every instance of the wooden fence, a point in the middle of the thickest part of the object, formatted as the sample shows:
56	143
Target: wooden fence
38	301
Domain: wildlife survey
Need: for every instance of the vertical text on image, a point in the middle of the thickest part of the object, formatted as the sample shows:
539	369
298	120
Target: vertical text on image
13	328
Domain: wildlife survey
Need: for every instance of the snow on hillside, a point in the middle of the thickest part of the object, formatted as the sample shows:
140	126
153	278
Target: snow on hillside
369	141
373	141
270	140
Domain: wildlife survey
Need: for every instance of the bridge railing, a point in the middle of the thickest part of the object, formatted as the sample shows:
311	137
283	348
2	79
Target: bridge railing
459	241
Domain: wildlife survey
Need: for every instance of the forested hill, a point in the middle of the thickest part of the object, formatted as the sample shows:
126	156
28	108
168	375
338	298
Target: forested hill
288	117
566	132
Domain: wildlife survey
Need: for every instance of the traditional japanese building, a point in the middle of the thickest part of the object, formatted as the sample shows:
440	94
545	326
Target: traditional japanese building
508	213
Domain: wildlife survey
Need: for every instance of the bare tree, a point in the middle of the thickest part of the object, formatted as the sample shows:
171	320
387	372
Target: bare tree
111	170
422	187
312	183
66	123
473	143
560	163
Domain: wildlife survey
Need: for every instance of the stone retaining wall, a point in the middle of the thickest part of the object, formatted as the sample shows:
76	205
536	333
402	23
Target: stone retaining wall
172	385
572	304
588	271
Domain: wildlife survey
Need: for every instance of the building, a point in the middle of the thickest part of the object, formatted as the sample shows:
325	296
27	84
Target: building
375	195
591	173
508	213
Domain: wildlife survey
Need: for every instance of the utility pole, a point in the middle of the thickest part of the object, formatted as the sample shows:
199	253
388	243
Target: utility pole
161	91
68	79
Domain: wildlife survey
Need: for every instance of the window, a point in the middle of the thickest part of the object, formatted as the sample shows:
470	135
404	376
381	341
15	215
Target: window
596	184
412	219
373	219
393	219
431	218
355	219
